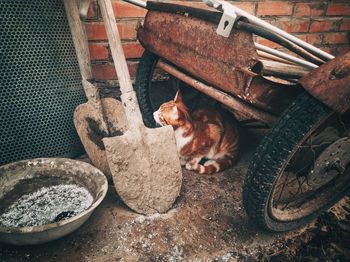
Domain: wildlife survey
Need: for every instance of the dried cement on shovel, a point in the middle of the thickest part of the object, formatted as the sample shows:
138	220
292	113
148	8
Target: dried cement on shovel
143	175
90	125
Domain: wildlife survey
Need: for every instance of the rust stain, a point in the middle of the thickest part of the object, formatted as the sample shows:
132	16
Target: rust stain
222	97
193	44
227	64
330	83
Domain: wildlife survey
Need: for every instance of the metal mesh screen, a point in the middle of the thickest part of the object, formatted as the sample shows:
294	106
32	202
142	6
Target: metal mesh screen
40	82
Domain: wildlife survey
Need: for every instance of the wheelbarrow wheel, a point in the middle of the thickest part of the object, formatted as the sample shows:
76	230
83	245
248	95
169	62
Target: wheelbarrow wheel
142	85
154	87
295	174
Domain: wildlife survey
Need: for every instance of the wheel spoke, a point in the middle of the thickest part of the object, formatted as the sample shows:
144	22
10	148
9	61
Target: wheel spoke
294	195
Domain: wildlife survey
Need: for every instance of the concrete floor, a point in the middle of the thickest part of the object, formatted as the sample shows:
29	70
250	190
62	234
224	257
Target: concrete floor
207	223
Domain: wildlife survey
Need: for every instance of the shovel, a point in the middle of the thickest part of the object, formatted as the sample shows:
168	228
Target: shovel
96	118
144	162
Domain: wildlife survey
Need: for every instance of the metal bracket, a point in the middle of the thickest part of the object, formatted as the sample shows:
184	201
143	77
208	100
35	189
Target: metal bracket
228	17
227	21
228	8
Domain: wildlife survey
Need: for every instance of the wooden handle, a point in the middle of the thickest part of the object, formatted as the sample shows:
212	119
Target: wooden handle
115	46
82	50
79	38
128	96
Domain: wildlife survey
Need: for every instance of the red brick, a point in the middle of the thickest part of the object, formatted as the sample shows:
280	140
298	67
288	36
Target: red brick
345	26
96	31
338	8
274	8
107	71
104	71
314	39
335	38
324	25
123	9
248	7
327	49
133	50
295	26
98	51
127	29
309	9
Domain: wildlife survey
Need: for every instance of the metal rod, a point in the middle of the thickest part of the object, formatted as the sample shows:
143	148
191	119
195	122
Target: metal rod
139	3
283	70
285	56
263	32
220	96
221	5
271	57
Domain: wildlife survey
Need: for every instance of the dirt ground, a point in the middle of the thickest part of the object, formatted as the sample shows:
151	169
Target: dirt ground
207	223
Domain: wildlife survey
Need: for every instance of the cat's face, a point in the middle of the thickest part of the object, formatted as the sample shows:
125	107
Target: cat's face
169	112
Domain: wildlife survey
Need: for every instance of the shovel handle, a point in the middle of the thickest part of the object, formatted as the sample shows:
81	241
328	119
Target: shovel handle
128	96
79	38
115	45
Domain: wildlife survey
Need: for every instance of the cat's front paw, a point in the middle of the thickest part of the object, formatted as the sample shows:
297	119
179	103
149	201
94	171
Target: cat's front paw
182	161
189	166
193	163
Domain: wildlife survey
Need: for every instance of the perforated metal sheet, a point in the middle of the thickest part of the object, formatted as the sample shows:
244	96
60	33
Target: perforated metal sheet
40	82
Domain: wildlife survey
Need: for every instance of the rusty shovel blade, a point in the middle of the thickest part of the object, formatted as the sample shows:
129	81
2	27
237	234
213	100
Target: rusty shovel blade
146	172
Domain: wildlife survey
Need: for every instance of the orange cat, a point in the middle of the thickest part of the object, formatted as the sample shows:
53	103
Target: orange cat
205	134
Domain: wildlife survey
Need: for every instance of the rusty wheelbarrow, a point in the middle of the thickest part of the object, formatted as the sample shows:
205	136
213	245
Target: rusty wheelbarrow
302	166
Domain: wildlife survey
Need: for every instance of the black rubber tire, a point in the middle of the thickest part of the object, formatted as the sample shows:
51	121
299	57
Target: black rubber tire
297	122
143	77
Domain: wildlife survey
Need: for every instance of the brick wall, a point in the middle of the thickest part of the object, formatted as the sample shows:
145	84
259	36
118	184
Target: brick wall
325	24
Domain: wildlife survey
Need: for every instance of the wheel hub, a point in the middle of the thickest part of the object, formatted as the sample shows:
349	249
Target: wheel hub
332	162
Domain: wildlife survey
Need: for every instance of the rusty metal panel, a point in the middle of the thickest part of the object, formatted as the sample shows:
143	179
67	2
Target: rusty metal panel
228	100
193	44
225	63
271	96
330	83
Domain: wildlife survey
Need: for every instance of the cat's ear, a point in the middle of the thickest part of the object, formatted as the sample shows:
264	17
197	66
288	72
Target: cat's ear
175	112
178	97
